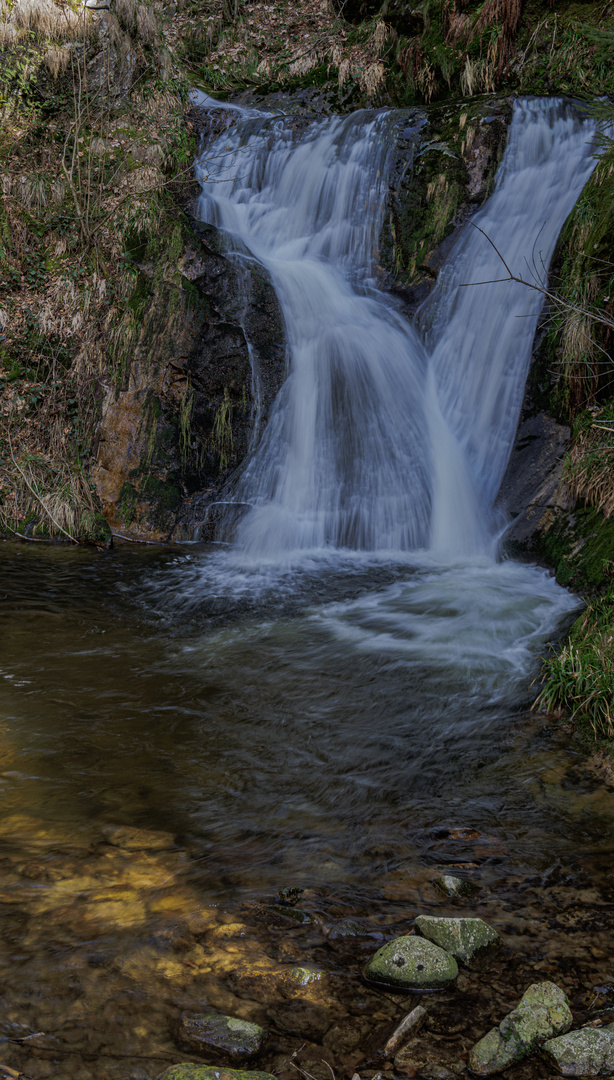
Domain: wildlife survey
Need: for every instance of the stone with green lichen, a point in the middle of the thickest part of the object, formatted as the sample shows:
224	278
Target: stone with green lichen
453	886
465	939
187	1071
413	964
226	1035
543	1012
587	1052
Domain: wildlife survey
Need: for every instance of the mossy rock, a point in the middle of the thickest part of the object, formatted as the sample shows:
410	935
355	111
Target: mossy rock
587	1052
412	963
542	1012
187	1071
467	940
225	1035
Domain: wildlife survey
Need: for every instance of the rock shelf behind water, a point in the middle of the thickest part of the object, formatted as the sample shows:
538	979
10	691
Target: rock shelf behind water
587	1052
412	963
465	939
543	1011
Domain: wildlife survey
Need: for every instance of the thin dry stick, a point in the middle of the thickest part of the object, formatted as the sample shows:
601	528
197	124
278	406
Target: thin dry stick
603	319
36	495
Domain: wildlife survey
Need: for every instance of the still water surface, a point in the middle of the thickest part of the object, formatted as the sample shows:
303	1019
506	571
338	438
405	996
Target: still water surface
314	716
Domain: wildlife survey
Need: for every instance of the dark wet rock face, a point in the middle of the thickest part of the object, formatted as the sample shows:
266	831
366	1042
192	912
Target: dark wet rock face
532	490
207	358
445	162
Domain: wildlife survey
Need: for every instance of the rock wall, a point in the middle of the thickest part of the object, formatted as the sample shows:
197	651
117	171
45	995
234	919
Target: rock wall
207	360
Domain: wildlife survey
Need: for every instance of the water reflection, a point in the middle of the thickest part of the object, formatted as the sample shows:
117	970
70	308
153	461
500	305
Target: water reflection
313	715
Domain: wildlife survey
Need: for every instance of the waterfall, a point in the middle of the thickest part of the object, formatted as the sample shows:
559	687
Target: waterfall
387	437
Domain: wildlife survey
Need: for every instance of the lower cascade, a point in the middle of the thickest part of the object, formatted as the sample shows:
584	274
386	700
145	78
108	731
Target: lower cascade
388	436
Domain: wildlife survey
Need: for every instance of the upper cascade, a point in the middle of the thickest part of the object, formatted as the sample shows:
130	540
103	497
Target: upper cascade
386	436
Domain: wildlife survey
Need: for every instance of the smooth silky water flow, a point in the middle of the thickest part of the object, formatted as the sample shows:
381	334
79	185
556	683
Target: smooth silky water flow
334	697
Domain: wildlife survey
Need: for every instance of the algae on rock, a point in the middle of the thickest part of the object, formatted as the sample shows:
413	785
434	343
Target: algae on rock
542	1012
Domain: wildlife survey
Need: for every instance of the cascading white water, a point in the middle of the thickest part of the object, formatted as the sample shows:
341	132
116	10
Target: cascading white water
384	437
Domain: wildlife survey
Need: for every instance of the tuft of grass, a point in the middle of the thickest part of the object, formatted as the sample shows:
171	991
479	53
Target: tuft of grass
578	682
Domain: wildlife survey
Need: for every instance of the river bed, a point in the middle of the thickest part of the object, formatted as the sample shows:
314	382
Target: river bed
185	735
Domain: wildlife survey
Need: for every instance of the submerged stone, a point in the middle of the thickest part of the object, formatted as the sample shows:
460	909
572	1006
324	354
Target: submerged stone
453	886
227	1035
269	983
587	1052
412	963
464	939
187	1071
350	928
131	839
543	1011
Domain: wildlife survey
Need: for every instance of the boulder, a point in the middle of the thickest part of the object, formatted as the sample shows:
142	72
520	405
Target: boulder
542	1013
412	963
453	886
465	939
587	1052
188	1071
227	1036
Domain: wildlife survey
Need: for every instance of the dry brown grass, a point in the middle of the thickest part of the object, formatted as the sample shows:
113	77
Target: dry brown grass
48	20
8	35
591	465
126	13
56	60
34	191
146	25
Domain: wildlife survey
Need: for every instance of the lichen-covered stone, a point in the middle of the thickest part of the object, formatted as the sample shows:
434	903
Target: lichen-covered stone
542	1013
228	1036
587	1052
413	964
453	886
187	1071
465	939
